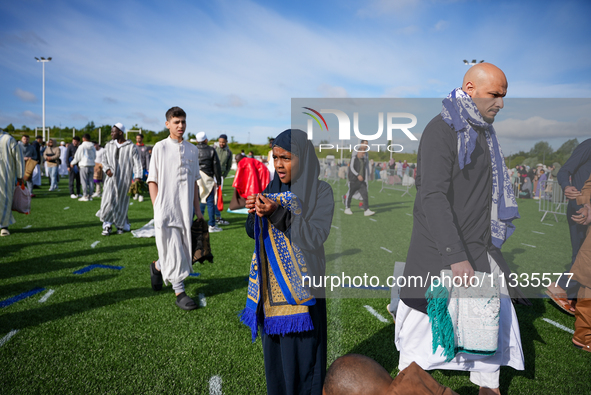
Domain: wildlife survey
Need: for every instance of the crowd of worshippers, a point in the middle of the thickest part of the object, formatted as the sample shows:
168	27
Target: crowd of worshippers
535	182
460	174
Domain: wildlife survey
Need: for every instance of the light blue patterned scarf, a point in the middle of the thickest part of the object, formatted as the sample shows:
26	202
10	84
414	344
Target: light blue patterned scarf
460	112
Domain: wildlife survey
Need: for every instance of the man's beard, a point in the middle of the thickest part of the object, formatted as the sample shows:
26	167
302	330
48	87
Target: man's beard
488	119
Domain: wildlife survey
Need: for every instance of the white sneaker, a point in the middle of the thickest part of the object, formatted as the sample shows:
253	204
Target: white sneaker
368	212
50	189
214	229
83	199
392	314
74	196
4	232
135	196
348	211
96	194
140	198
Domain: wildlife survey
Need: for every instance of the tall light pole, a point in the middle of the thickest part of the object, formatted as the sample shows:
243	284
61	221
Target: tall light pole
472	63
43	61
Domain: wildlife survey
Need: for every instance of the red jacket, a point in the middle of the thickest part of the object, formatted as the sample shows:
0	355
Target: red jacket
252	177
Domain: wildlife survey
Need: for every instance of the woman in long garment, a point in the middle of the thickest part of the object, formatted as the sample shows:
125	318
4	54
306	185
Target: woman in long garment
290	221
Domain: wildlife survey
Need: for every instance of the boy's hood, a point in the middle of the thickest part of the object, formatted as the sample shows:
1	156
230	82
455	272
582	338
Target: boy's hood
86	144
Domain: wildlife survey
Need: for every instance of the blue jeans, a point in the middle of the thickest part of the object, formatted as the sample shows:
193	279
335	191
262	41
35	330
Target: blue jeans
210	208
53	176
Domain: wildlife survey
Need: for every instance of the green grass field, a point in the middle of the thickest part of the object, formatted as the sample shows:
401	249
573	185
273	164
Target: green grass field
107	332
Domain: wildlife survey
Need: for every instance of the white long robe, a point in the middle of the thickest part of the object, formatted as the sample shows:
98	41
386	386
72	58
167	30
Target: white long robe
12	166
174	167
123	162
413	338
63	170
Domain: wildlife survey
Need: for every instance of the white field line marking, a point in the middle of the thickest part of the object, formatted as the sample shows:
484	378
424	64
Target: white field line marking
46	296
27	227
556	324
540	233
332	226
7	337
376	314
385	249
373	197
215	385
547	224
409	214
374	220
342	209
202	301
65	208
528	245
94	244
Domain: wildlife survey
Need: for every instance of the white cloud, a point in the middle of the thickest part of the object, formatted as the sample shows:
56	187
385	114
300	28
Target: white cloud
327	90
231	101
379	8
25	96
537	128
79	117
31	116
441	25
146	120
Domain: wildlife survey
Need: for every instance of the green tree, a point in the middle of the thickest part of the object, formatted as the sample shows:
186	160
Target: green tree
541	148
9	128
568	147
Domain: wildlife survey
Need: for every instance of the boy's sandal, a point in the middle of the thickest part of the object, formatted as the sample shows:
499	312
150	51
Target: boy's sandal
563	303
185	302
155	277
581	346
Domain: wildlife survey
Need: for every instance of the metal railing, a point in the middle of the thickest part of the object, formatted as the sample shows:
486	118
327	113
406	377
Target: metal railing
552	199
391	180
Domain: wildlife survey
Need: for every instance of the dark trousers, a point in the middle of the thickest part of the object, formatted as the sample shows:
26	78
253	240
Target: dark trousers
360	186
74	177
295	364
577	236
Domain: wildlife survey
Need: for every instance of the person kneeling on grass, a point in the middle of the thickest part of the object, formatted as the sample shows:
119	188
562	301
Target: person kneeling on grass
293	219
172	179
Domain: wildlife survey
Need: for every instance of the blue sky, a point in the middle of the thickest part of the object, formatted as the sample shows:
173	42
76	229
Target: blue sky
235	65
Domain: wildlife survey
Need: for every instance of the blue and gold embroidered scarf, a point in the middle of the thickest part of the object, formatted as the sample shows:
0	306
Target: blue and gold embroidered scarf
275	281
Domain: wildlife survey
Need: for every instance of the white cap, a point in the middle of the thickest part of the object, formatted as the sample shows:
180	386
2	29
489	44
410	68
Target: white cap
120	126
62	143
201	137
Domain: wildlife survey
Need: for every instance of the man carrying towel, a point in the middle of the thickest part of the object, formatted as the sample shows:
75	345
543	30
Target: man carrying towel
211	176
462	216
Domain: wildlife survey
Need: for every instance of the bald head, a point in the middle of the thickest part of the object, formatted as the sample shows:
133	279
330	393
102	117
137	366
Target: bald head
487	85
355	374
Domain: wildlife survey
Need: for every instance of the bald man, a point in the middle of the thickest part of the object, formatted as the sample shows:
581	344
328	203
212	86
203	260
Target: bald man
355	374
460	221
